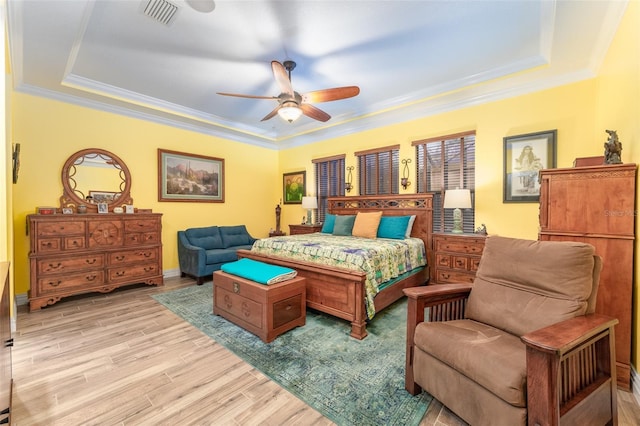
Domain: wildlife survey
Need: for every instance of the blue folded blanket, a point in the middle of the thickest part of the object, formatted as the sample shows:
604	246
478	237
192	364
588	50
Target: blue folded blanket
259	272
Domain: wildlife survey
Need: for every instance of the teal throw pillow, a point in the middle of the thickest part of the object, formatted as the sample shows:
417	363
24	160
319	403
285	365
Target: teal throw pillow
394	227
329	221
343	225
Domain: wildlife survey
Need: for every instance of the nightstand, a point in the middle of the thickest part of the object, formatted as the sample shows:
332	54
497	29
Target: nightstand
277	233
456	257
304	229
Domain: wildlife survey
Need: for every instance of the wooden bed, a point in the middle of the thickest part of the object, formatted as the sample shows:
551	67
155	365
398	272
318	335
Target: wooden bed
341	292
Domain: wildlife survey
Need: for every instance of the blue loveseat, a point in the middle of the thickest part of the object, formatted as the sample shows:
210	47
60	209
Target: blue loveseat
204	250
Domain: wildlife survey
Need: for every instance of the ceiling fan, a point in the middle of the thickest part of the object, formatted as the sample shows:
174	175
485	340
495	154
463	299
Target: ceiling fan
291	104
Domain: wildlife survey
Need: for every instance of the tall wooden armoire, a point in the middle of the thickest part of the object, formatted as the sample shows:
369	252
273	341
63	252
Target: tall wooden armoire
596	205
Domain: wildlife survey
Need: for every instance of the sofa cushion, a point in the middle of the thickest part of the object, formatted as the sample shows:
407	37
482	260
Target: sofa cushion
207	237
221	255
488	356
233	236
519	296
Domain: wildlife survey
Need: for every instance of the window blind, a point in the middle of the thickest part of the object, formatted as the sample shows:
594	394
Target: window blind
447	162
329	181
378	171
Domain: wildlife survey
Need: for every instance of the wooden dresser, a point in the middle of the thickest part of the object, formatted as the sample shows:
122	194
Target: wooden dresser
304	229
596	205
457	257
6	376
81	253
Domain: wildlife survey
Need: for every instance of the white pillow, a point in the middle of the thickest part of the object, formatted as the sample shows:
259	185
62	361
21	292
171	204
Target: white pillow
412	219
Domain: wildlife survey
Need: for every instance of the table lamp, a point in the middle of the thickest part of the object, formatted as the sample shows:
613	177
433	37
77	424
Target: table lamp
457	199
309	203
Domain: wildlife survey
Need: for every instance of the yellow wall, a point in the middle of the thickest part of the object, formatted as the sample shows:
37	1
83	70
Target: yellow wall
50	131
618	108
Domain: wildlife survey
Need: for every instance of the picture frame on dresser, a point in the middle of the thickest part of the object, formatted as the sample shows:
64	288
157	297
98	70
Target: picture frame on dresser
103	208
524	156
190	177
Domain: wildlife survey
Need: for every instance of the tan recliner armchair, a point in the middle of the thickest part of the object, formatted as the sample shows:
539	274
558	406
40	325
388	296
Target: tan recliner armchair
521	345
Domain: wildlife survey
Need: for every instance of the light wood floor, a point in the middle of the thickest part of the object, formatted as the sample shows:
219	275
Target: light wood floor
123	359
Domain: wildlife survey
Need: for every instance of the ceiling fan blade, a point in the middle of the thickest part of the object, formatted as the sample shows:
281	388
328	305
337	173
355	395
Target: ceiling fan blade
247	96
282	78
315	113
334	94
271	114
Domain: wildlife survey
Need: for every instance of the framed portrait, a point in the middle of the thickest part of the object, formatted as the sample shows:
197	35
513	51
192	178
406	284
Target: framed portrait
103	208
524	157
294	187
190	177
103	196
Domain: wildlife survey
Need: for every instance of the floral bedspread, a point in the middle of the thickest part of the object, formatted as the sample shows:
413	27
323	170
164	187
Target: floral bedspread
381	259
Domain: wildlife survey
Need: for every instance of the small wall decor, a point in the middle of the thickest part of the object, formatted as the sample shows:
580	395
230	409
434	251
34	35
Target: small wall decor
404	181
524	157
16	162
190	177
612	148
348	185
294	187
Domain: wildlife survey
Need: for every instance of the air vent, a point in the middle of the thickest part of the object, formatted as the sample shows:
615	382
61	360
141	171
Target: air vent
161	10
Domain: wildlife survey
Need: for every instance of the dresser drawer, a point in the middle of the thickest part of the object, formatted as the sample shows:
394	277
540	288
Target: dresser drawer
459	246
60	228
140	225
127	273
69	264
133	256
105	233
443	260
453	276
61	283
74	243
142	238
48	245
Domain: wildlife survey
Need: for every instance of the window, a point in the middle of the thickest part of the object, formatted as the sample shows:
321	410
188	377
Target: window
329	181
447	162
378	170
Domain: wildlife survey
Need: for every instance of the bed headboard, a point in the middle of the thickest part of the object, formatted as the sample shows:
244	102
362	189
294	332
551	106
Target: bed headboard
393	205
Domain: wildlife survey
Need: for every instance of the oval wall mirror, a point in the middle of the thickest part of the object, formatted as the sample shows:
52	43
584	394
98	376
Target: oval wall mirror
92	176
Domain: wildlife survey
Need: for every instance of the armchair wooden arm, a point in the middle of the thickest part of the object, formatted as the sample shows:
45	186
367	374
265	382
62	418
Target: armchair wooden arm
571	372
446	302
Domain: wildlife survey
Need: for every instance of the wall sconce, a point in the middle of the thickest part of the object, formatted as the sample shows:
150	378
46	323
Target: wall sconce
405	173
347	185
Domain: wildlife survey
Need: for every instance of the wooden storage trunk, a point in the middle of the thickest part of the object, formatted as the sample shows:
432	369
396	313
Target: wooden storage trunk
264	310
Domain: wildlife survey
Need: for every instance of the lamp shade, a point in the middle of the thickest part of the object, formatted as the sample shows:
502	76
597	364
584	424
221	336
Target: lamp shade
290	111
309	203
457	199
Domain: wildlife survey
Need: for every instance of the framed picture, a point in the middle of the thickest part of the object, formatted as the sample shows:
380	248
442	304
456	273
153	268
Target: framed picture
128	208
67	210
190	177
103	196
524	157
103	208
294	187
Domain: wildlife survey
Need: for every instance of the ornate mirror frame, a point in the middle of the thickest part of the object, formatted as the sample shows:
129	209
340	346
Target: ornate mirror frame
73	197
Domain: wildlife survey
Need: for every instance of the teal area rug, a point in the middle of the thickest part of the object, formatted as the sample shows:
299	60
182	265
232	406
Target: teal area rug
352	382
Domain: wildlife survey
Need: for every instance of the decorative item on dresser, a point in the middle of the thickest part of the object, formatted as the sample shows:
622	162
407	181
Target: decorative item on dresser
304	229
92	252
457	257
596	205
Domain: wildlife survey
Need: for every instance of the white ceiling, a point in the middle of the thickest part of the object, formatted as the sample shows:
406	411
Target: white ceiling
410	58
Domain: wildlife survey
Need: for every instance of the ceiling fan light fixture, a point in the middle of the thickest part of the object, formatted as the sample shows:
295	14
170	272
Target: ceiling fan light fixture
290	111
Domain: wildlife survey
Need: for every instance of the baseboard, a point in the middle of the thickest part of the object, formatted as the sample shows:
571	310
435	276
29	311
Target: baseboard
21	299
170	273
635	384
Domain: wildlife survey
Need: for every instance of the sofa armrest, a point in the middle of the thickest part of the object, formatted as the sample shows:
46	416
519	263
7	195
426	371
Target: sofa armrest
445	302
190	257
571	364
564	336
